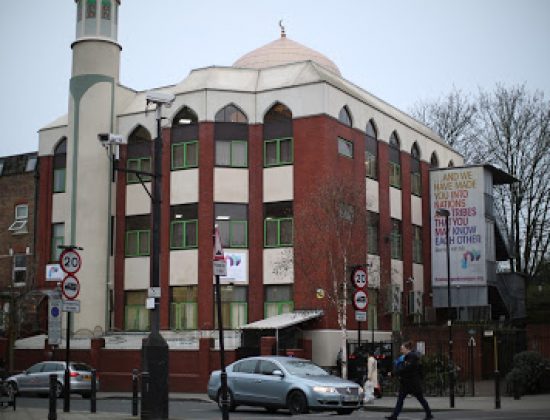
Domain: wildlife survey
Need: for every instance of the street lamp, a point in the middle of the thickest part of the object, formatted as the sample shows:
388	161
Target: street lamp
445	213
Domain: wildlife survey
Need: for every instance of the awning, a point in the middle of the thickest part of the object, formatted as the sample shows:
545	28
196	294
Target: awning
278	322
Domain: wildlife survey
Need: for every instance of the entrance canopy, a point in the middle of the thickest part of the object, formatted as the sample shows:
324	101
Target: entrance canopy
278	322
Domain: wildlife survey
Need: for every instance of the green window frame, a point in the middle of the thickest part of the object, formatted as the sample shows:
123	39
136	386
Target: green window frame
416	184
235	158
278	308
278	226
136	318
59	180
370	165
417	245
345	148
396	240
138	164
141	239
230	237
185	155
275	153
183	316
181	240
395	175
234	315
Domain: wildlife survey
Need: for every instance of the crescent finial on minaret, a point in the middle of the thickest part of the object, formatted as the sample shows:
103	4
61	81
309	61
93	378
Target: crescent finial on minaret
283	33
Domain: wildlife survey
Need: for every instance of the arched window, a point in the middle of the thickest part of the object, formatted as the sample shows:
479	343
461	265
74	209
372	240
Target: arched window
60	166
395	161
185	140
371	151
139	155
230	113
278	148
451	164
434	161
231	137
345	116
416	179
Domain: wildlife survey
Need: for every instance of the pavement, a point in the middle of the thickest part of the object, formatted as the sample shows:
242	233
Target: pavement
385	404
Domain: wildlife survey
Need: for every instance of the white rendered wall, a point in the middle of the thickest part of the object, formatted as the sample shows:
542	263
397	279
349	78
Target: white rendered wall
184	267
184	186
136	273
272	259
230	185
278	184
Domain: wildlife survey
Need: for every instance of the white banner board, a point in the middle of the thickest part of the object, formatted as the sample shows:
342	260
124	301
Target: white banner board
461	191
236	263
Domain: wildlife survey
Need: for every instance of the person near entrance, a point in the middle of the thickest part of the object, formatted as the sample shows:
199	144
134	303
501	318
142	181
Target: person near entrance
410	377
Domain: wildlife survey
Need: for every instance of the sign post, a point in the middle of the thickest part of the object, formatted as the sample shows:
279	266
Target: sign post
360	297
218	259
70	263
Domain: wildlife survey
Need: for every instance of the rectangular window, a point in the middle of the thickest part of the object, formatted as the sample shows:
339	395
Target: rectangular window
58	238
138	164
278	232
183	308
417	244
278	300
373	227
395	175
136	315
59	180
416	184
396	240
234	307
278	152
20	270
232	153
184	234
371	153
22	212
137	243
345	147
232	221
31	164
185	155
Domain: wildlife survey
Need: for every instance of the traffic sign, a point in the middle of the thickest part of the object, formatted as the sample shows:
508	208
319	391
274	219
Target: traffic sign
218	250
361	316
54	320
70	287
360	278
70	261
71	306
360	300
220	268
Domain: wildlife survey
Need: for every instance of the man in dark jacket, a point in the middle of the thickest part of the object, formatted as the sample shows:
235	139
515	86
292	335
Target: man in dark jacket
410	377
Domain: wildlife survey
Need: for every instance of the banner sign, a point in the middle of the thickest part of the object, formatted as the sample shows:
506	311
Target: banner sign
236	263
461	192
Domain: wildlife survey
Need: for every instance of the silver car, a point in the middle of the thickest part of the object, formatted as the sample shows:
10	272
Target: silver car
276	382
36	379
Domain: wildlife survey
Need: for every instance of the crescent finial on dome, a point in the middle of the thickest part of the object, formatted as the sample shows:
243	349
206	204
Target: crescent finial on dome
283	33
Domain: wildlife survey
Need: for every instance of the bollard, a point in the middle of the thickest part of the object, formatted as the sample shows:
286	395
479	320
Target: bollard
93	396
52	413
145	409
135	374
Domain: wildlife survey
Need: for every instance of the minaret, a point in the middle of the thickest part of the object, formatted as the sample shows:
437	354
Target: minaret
92	99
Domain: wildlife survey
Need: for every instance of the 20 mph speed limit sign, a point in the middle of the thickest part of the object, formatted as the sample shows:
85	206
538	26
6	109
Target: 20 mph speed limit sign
360	278
360	300
70	261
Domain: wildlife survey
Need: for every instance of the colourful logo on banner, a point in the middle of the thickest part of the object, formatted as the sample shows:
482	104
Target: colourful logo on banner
472	256
234	260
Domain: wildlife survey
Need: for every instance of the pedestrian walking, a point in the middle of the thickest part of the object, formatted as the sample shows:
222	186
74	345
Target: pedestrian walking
409	373
371	385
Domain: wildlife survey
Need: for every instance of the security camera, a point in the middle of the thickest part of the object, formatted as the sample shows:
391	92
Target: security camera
110	138
160	98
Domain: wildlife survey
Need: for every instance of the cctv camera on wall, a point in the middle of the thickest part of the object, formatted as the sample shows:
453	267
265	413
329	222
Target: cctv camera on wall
160	98
110	138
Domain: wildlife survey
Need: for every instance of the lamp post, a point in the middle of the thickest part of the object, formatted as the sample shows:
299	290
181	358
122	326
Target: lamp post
445	213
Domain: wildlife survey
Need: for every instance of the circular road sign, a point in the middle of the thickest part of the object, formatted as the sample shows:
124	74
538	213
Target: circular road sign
70	261
70	287
360	300
360	278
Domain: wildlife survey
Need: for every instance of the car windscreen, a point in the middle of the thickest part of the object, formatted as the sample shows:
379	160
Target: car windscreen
304	368
81	367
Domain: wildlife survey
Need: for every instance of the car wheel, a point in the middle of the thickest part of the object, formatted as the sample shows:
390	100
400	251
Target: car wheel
344	411
86	394
296	402
230	401
58	390
12	388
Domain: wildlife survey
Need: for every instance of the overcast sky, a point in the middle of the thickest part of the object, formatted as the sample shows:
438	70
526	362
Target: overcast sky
401	51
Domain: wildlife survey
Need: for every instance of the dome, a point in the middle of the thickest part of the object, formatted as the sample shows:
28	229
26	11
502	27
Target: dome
283	51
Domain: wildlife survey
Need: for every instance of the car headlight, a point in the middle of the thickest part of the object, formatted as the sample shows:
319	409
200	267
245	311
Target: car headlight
325	389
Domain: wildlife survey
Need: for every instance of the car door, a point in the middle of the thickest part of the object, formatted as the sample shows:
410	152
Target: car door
50	368
29	381
270	388
241	380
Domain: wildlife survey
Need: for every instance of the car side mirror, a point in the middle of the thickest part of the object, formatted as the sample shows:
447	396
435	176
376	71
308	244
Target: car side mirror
278	372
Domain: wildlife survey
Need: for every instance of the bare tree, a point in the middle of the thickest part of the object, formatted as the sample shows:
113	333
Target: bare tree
509	128
514	135
328	224
452	117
